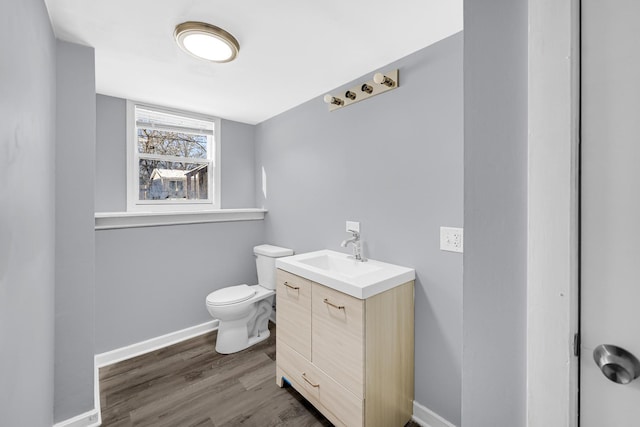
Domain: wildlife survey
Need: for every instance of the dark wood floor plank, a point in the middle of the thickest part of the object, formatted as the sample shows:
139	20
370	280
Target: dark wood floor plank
190	385
167	379
204	423
273	410
214	391
257	377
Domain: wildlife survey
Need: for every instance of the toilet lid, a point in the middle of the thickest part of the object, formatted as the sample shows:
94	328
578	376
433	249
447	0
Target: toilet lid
230	295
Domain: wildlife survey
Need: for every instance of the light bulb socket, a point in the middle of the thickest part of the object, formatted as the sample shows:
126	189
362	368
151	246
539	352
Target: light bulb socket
381	79
329	99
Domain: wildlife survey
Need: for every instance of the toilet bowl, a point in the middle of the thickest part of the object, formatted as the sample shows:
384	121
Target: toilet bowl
243	310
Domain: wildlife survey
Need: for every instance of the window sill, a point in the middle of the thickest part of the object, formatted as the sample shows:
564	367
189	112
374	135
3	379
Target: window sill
115	220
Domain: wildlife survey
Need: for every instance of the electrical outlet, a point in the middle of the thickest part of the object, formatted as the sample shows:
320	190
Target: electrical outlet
353	226
451	239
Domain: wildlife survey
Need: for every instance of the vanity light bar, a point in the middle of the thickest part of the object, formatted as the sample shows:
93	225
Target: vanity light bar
382	82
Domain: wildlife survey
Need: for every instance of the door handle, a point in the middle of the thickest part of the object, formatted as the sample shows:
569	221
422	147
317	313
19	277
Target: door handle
616	363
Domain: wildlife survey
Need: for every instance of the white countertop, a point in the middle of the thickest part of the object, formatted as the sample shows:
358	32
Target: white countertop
343	273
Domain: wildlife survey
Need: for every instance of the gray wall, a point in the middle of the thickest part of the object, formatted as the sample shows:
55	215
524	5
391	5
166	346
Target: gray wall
27	201
111	154
495	215
152	281
75	257
394	163
236	152
238	162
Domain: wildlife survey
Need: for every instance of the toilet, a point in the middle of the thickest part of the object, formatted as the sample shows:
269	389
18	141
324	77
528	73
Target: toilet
243	310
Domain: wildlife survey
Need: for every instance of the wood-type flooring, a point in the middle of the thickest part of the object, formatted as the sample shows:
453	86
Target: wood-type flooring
190	385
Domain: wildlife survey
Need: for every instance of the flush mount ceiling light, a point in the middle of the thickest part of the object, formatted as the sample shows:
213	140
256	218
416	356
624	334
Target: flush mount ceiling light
206	41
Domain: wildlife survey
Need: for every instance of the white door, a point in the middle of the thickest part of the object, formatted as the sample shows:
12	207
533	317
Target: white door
610	214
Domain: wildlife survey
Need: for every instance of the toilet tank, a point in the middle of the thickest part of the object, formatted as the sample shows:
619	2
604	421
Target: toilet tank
266	263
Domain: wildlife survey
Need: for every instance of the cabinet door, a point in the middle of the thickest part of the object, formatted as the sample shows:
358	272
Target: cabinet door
293	312
338	404
338	337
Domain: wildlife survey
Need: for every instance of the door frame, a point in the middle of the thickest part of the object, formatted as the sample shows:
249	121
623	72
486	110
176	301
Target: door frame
553	212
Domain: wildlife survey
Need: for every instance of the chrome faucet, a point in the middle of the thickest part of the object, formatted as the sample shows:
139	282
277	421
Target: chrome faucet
357	245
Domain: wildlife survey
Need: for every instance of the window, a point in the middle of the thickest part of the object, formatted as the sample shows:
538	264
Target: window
171	160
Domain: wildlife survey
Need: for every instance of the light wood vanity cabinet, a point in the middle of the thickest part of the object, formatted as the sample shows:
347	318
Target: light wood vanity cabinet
351	358
293	302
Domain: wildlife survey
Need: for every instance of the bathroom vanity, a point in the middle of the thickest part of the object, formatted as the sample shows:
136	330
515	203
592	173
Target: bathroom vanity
345	337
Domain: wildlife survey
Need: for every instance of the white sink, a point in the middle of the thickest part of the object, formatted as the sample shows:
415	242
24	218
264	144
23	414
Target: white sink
340	265
343	273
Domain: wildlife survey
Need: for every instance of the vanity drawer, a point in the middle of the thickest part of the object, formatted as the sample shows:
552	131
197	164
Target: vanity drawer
297	368
320	389
338	337
293	311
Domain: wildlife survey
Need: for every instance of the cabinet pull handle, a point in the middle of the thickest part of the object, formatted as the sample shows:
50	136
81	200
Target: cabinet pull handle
304	377
295	288
339	307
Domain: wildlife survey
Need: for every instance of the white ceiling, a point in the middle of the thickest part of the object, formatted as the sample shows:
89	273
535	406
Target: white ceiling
290	50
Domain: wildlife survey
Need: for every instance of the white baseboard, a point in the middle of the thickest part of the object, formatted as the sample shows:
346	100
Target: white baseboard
137	349
93	418
96	395
88	419
427	418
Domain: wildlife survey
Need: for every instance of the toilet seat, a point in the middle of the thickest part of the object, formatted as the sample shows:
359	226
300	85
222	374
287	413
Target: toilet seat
230	295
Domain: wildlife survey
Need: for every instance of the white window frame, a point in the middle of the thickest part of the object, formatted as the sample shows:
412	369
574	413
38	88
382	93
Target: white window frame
133	202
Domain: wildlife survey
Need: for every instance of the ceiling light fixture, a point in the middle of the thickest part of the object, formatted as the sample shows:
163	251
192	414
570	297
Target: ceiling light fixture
206	41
